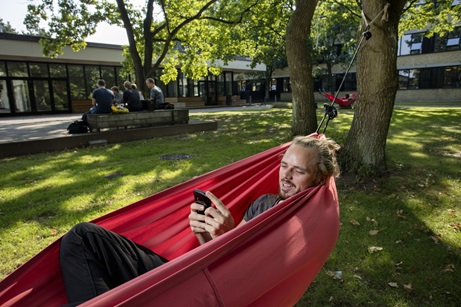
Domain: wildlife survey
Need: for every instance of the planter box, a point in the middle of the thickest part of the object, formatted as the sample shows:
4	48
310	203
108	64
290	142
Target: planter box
138	119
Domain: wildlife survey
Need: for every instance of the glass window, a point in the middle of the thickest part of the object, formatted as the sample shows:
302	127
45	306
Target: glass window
286	85
453	43
21	96
440	43
404	77
228	77
416	48
192	86
77	82
39	70
411	44
61	100
405	44
108	75
452	77
58	70
171	89
221	85
5	106
42	95
17	69
92	77
413	79
182	84
121	76
2	68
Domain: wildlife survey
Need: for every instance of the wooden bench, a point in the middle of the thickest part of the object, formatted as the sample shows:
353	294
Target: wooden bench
137	119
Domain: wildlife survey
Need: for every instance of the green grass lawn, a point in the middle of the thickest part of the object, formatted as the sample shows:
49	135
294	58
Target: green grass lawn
400	237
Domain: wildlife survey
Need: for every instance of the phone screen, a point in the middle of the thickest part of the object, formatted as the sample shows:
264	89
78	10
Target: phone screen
201	198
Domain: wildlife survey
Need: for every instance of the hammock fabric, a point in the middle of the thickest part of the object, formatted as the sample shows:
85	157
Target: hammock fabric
343	102
269	261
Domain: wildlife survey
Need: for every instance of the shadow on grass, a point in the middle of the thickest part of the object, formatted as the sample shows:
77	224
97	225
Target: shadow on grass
409	219
44	195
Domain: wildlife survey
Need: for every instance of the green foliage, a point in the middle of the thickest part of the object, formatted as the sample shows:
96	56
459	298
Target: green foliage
441	17
7	28
177	33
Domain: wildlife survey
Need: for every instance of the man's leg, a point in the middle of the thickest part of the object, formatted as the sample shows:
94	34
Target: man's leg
94	260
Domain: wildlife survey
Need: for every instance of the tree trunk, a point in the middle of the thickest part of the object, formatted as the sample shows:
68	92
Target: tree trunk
377	84
300	65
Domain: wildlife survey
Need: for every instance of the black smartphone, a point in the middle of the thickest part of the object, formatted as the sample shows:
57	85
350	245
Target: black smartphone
201	198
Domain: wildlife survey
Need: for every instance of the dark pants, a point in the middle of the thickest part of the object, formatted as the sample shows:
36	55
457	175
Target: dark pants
94	260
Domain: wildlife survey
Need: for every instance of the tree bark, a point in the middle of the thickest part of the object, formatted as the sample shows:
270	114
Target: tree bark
304	118
377	84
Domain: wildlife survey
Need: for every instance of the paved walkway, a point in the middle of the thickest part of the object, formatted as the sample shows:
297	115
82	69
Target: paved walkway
25	128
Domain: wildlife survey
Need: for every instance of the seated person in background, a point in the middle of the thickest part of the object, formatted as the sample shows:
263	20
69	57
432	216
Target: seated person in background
156	94
94	260
118	95
135	87
131	98
101	100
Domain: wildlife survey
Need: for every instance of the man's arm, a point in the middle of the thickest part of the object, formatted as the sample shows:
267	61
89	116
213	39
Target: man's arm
93	101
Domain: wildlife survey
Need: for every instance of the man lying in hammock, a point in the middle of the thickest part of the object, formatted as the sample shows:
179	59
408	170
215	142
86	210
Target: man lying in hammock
94	260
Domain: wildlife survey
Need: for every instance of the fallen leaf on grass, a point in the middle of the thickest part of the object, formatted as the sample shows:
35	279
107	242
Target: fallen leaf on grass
372	221
373	232
330	273
399	214
54	232
354	222
449	268
374	249
435	239
408	287
393	284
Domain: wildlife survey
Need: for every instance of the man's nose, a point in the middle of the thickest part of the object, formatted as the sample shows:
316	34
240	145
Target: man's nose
287	173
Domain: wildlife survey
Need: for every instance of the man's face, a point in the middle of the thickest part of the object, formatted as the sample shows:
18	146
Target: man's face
149	85
297	170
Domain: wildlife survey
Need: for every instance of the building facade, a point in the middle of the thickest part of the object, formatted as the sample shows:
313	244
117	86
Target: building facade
429	70
33	84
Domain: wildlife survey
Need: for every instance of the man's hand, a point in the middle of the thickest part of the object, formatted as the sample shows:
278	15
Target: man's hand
216	221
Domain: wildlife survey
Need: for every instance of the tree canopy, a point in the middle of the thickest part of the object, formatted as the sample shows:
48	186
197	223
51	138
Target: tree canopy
178	33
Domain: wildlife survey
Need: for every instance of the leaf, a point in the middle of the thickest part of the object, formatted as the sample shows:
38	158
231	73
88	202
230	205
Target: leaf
372	221
54	232
330	273
374	249
449	268
399	214
393	284
408	287
354	222
373	232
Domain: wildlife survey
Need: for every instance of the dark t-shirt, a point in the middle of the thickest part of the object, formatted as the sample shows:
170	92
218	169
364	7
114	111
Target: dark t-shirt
132	99
260	205
156	95
104	99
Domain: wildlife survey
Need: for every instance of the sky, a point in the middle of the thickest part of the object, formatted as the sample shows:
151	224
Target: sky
14	12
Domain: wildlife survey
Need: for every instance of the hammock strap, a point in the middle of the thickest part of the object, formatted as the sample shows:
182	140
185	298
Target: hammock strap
330	110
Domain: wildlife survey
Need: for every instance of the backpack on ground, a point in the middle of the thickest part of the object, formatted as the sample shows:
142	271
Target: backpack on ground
77	126
165	106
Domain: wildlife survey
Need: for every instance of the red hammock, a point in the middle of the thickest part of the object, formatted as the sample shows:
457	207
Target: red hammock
343	102
269	261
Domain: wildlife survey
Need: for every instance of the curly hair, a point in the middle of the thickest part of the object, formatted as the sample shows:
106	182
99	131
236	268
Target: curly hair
327	164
